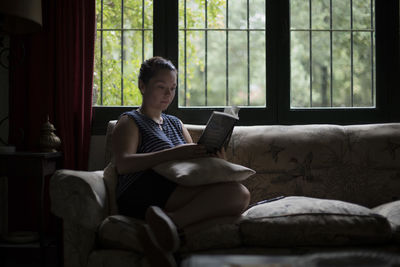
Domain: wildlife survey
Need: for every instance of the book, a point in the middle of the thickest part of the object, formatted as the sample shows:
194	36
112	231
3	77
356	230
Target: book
219	129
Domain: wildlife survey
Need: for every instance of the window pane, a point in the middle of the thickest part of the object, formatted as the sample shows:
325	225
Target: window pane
195	69
216	14
362	86
237	69
341	11
258	73
257	14
362	14
133	14
237	14
98	14
112	14
132	61
299	15
321	69
97	72
195	14
341	84
320	16
300	69
216	69
111	68
148	14
148	44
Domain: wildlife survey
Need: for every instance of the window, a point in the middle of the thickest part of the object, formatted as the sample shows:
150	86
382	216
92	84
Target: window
332	54
283	62
222	53
124	40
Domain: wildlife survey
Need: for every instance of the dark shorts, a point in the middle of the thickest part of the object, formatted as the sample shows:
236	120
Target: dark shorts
151	189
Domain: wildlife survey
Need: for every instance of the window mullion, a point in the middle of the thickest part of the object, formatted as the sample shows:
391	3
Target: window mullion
122	52
227	55
101	54
206	55
310	52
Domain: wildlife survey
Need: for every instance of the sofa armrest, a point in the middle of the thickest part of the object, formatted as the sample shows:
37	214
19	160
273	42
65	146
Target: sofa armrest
79	197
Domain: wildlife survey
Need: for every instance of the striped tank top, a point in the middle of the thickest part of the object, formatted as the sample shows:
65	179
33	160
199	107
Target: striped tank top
152	139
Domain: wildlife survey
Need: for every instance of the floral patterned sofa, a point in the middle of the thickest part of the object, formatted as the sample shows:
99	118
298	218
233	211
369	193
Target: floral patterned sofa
340	188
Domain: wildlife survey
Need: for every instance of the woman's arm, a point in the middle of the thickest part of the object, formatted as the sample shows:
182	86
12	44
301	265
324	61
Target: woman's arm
125	142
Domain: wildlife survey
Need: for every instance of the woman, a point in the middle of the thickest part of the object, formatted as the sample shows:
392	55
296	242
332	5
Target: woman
146	137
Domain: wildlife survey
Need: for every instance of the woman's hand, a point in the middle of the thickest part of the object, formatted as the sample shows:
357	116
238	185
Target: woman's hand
189	151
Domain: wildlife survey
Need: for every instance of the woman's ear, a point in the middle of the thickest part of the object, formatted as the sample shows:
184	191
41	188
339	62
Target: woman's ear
142	87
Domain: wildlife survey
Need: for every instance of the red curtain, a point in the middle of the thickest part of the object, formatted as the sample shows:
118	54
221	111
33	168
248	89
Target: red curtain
51	73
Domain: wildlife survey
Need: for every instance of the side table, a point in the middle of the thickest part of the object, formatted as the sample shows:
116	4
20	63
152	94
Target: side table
22	164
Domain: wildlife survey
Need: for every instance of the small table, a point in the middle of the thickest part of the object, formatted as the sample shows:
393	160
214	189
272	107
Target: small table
22	164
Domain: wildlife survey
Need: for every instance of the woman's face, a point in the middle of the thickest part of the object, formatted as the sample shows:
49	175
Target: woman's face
159	92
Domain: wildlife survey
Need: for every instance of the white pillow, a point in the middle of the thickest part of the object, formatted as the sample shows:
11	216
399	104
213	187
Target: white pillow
202	171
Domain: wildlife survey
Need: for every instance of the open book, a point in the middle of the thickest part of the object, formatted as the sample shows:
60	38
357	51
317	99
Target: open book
219	129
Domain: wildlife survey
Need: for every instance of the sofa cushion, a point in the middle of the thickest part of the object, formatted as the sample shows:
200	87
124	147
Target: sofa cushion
122	232
303	221
392	212
201	171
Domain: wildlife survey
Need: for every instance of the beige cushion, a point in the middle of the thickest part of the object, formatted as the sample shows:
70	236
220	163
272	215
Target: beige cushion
392	212
121	232
303	221
202	171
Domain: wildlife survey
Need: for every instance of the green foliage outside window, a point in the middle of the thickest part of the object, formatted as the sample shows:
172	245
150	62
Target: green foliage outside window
121	38
330	80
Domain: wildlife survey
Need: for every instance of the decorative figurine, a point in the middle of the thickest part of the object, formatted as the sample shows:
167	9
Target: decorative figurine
49	142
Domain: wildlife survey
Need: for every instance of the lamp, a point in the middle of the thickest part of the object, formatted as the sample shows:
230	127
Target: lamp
20	16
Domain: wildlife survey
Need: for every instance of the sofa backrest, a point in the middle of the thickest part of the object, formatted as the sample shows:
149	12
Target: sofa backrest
357	163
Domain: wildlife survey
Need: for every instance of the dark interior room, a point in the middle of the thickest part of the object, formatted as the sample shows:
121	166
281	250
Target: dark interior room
308	170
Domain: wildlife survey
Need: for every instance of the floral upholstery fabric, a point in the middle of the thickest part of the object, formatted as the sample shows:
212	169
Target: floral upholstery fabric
349	163
358	164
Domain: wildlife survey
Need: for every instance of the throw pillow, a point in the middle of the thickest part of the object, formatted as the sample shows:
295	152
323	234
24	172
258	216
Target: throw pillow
304	221
202	171
392	212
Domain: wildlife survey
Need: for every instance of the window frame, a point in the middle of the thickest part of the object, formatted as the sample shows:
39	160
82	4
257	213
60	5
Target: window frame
277	110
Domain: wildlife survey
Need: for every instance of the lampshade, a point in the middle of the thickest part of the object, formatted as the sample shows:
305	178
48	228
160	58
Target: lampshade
20	16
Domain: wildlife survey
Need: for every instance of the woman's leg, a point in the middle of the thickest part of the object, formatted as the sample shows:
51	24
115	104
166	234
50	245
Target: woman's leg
189	205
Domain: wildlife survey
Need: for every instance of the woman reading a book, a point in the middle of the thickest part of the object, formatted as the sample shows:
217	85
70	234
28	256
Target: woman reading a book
145	137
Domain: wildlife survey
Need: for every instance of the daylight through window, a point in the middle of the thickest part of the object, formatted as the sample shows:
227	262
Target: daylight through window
222	53
124	39
332	54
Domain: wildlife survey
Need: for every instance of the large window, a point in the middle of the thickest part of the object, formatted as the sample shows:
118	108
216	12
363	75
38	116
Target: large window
289	61
332	54
124	40
222	53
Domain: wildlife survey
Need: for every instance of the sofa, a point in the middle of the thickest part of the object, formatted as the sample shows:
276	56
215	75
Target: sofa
333	188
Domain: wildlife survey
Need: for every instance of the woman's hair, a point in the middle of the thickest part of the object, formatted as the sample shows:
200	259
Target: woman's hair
151	66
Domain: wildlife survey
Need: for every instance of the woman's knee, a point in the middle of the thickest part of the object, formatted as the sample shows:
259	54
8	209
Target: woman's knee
239	195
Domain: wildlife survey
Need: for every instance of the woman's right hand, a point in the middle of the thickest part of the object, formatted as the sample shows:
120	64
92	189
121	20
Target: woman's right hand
189	151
